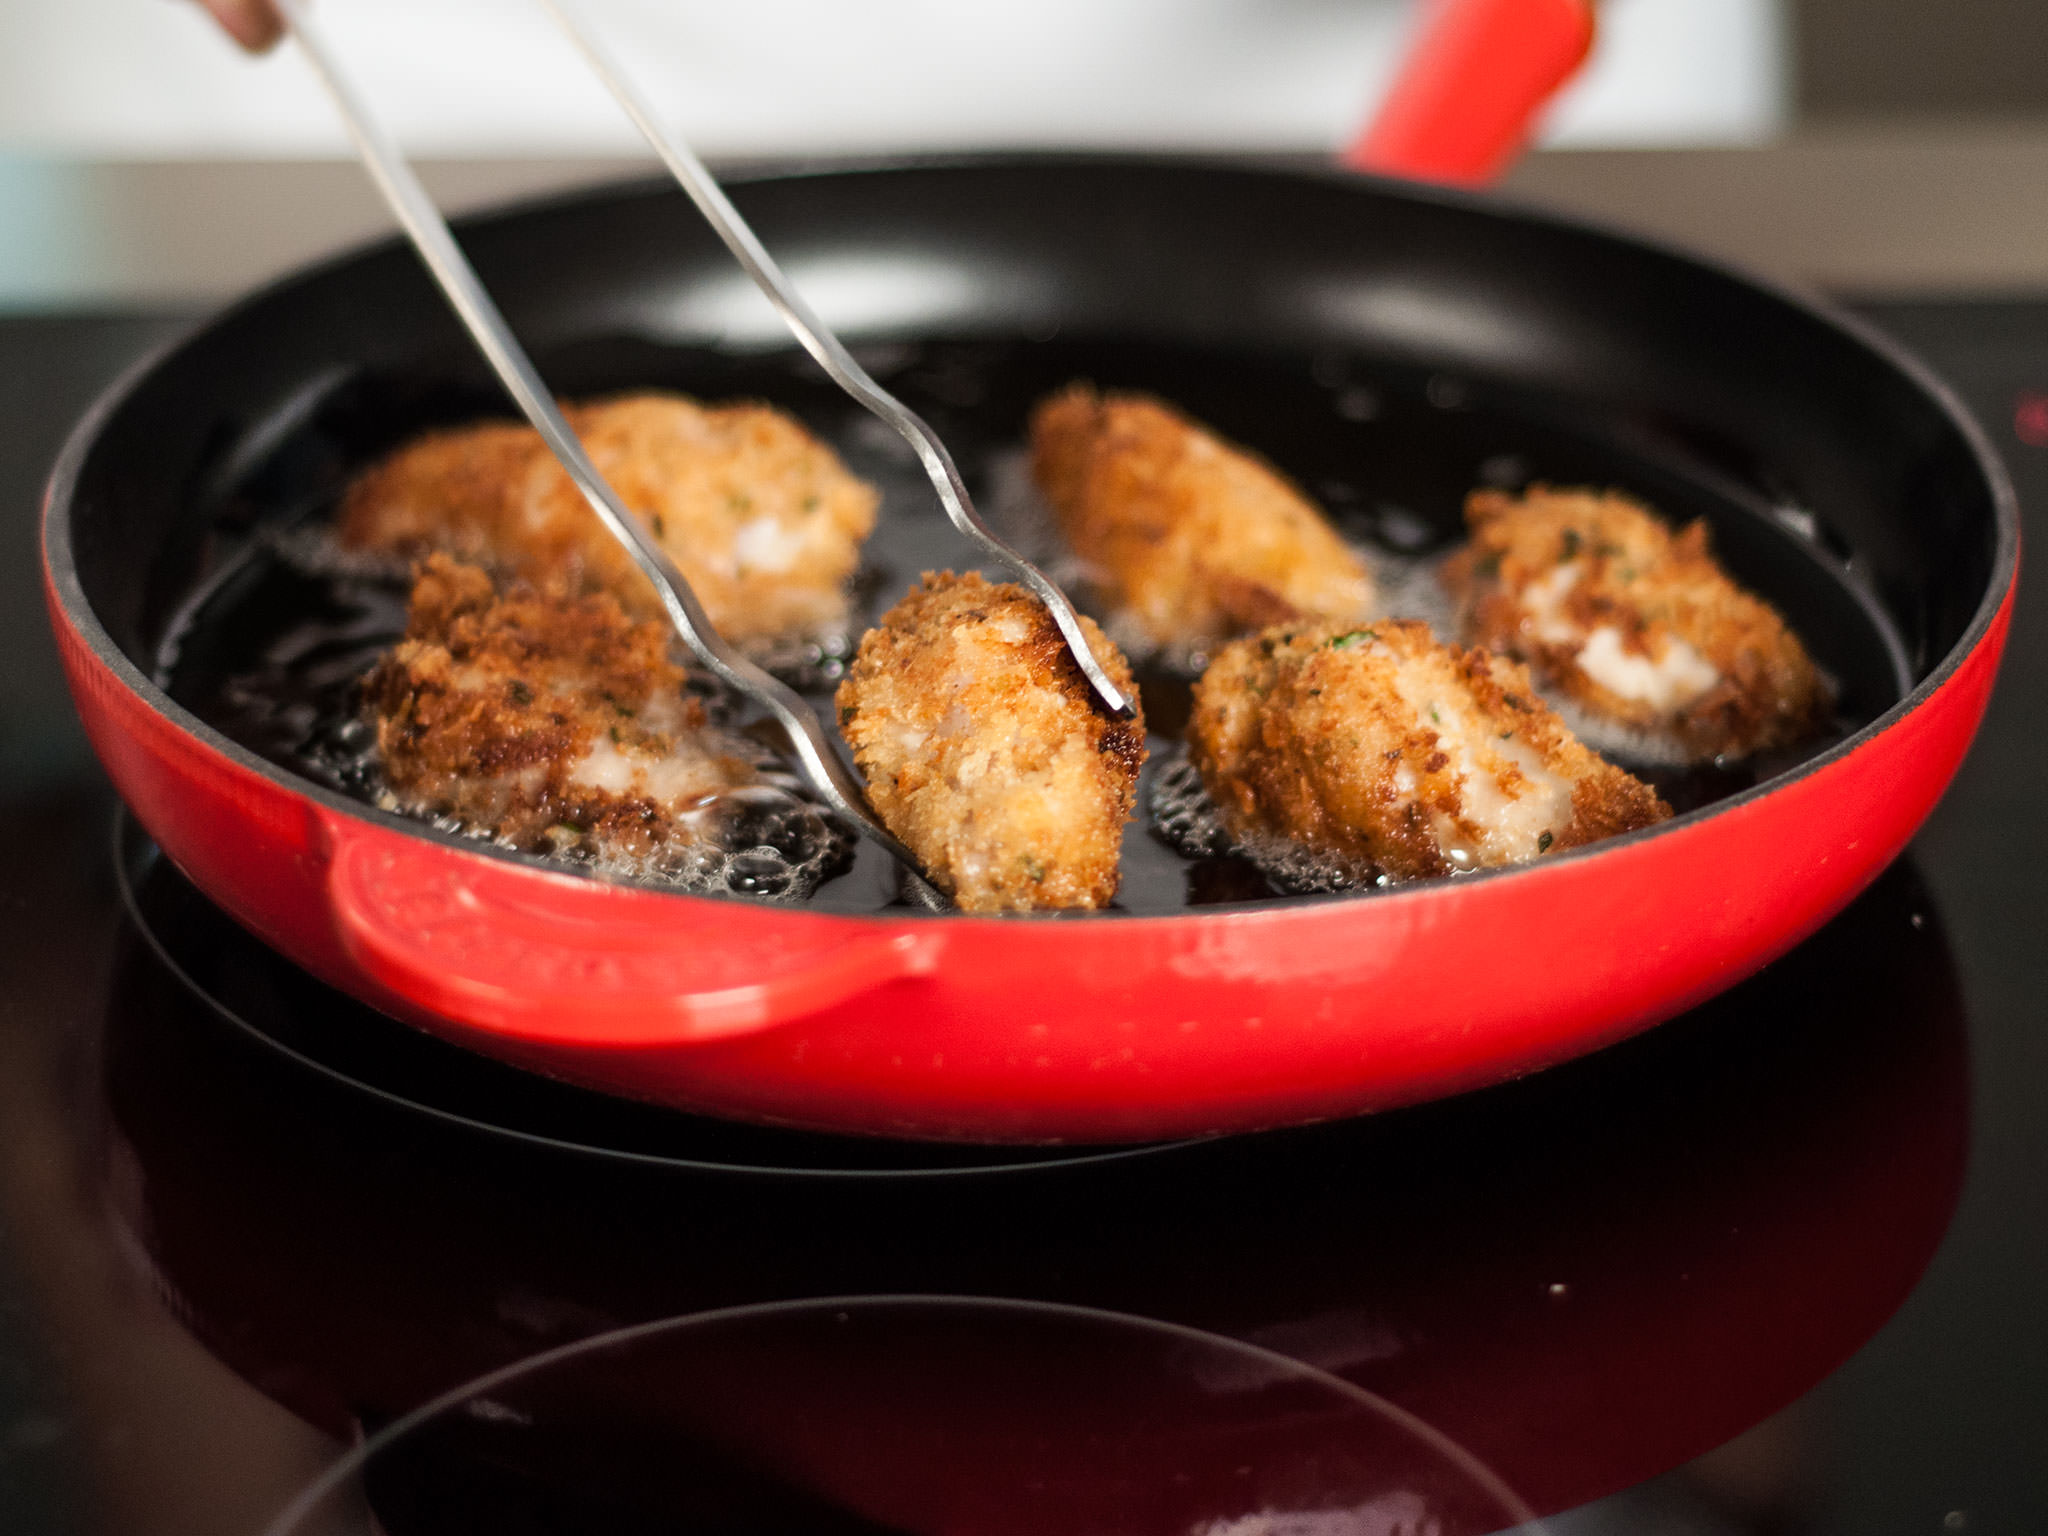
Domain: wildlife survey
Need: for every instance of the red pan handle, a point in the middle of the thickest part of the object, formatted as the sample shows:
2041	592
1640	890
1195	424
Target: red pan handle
1462	105
562	958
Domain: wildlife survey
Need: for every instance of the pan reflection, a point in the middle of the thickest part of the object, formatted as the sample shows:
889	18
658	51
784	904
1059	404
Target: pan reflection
1585	1278
876	1414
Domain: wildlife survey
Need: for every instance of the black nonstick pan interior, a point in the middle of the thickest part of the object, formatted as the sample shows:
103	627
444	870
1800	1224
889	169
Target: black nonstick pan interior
1388	349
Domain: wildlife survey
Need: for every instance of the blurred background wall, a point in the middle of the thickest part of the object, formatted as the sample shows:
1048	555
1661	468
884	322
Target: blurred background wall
1863	59
145	78
1877	144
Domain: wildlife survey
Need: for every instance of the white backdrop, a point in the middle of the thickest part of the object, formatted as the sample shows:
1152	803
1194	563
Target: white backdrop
146	79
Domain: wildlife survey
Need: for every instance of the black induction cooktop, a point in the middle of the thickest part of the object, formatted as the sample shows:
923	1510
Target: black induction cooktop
1778	1266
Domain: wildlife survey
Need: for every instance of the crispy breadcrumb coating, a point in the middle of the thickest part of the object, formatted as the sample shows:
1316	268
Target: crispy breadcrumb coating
1364	752
554	724
1635	625
984	750
761	517
1191	539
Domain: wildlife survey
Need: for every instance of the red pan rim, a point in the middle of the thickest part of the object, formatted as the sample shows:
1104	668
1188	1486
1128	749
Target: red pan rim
60	568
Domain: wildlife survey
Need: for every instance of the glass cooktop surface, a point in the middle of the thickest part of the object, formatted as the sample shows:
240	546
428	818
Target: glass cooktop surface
1774	1267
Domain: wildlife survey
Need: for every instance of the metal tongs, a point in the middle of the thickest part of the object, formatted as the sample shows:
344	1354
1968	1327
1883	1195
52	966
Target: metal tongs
822	767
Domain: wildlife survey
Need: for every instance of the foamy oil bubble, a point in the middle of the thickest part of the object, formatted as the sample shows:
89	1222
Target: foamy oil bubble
813	663
1182	812
758	840
1301	871
1184	816
764	839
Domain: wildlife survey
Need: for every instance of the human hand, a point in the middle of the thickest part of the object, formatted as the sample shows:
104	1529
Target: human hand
255	24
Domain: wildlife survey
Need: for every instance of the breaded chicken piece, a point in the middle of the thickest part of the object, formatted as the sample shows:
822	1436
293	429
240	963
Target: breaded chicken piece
1636	626
760	516
1351	754
984	750
555	724
1191	539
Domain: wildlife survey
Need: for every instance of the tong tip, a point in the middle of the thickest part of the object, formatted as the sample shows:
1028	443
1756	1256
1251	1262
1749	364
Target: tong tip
1112	694
1120	703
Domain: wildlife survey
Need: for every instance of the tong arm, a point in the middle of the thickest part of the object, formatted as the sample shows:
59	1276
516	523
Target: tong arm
821	764
818	340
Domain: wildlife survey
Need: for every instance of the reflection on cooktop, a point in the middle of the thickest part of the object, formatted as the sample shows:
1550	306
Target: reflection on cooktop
1665	1242
861	1416
324	1032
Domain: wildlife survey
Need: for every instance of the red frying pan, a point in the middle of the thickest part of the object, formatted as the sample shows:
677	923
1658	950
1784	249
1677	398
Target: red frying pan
1388	344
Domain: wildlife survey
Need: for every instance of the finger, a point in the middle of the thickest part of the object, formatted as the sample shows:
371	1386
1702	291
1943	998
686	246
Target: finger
254	24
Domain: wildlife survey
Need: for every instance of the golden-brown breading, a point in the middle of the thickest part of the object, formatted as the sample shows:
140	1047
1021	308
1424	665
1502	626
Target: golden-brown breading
984	750
1635	625
760	516
1193	540
1377	751
554	724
